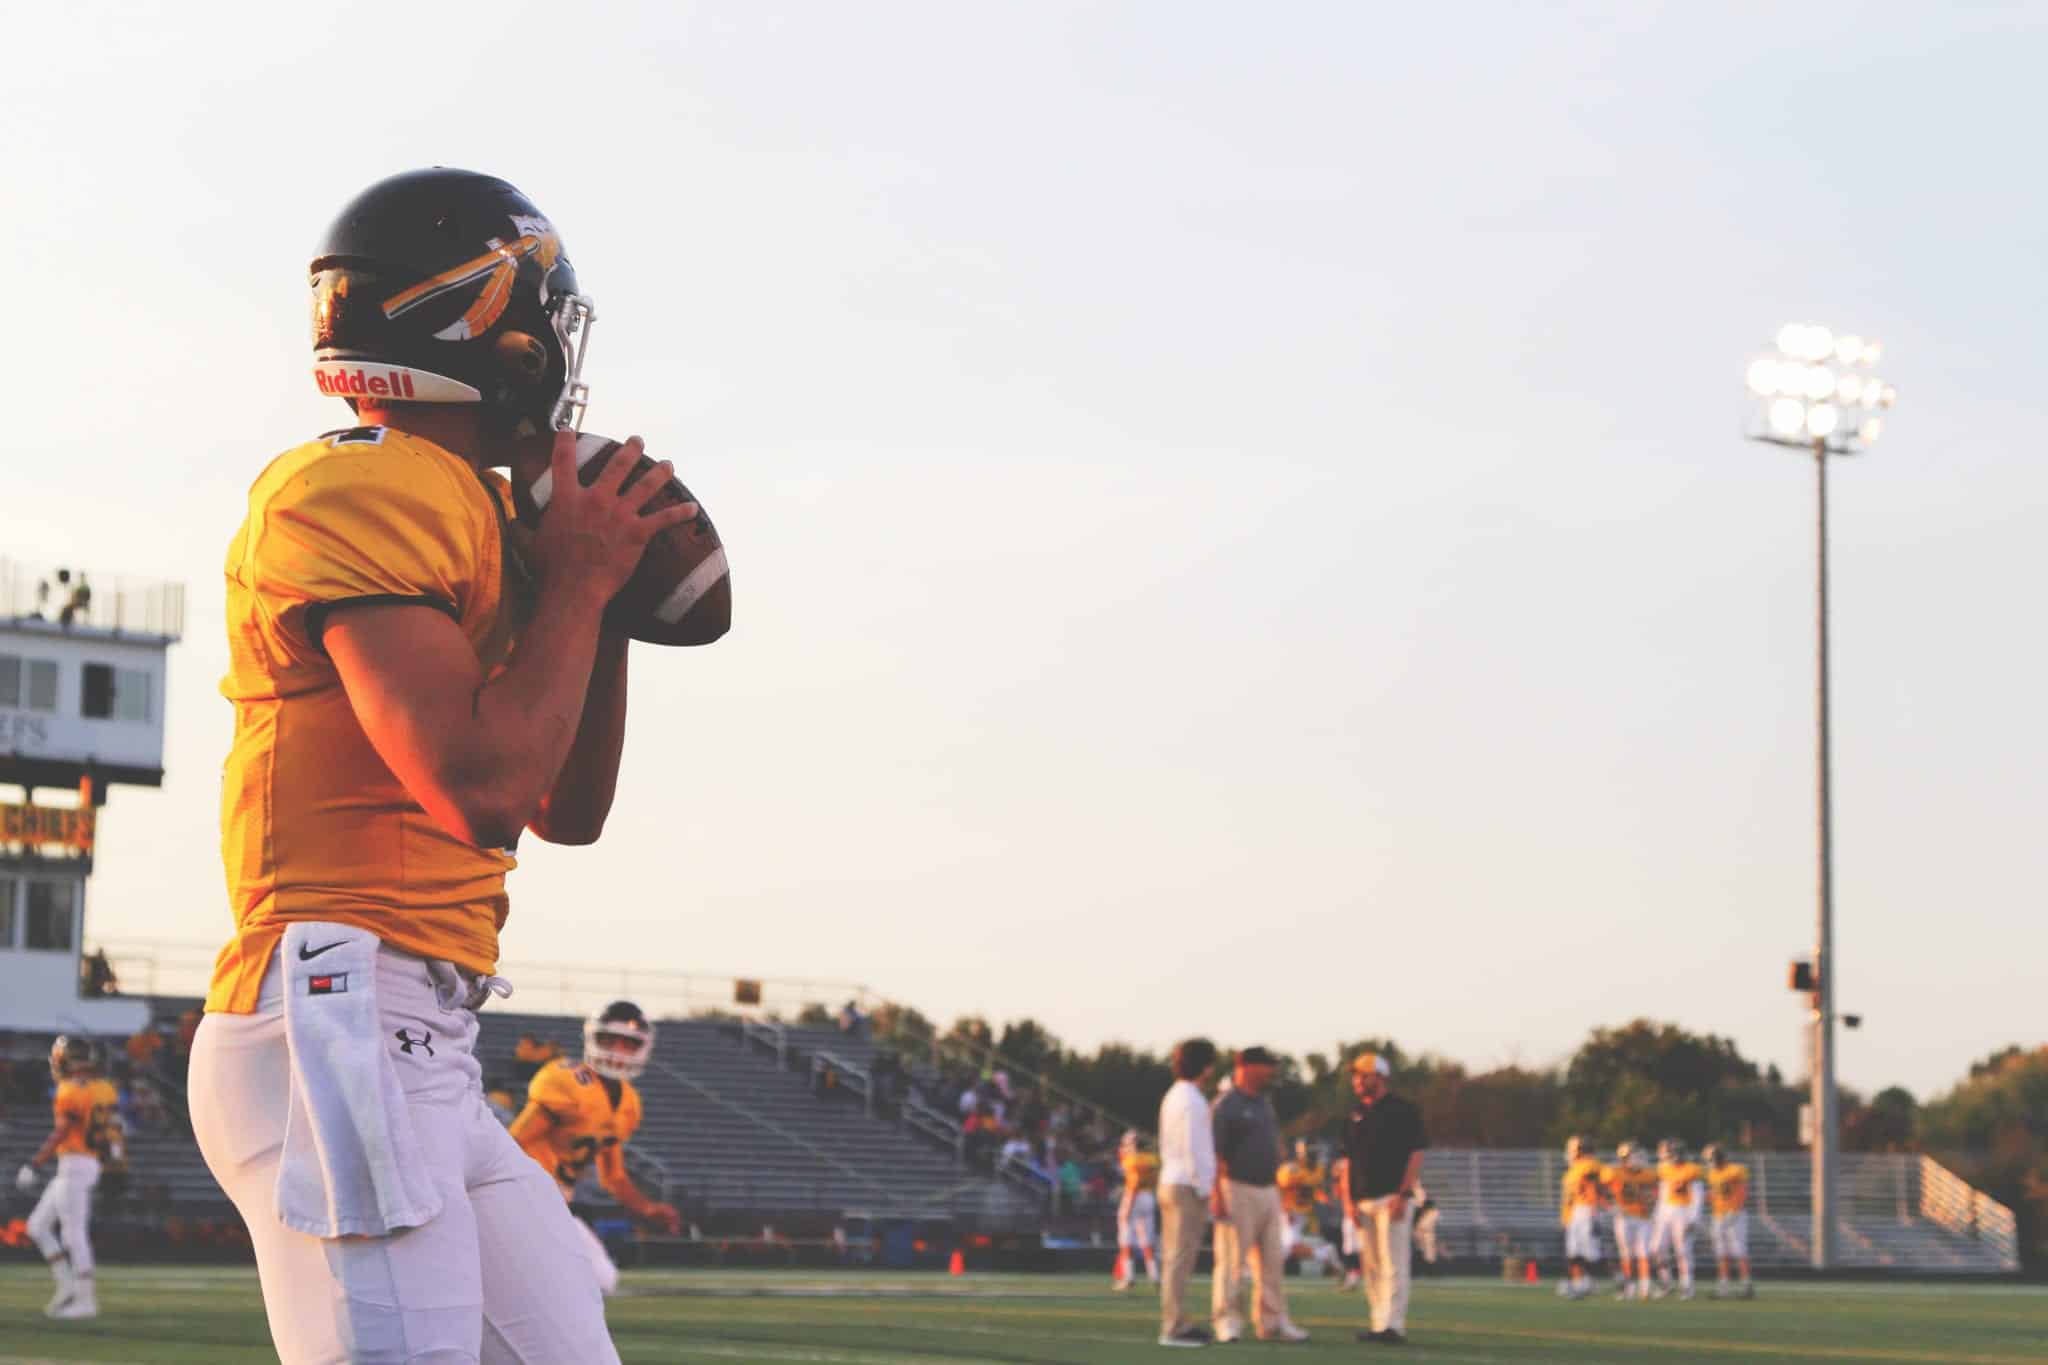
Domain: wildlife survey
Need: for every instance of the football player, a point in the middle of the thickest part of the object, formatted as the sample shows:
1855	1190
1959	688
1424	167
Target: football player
1304	1183
1137	1212
1632	1186
1584	1195
1679	1187
581	1115
87	1131
417	683
1728	1187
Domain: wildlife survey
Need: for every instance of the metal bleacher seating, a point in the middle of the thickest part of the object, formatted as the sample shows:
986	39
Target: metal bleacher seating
734	1125
1898	1211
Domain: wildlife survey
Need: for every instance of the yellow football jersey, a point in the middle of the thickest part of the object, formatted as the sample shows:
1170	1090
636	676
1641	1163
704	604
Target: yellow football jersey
1141	1170
1634	1189
1300	1183
1677	1178
88	1107
1728	1185
571	1123
313	825
1582	1186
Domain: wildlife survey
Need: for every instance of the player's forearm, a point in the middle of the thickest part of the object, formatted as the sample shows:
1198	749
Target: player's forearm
1413	1176
574	810
525	720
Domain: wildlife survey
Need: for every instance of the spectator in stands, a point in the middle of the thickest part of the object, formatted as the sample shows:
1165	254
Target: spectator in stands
1247	1204
142	1048
1383	1146
1187	1174
851	1020
188	1025
96	975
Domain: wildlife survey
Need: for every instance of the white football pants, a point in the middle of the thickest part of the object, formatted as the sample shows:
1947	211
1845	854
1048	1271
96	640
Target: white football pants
66	1205
1672	1227
499	1277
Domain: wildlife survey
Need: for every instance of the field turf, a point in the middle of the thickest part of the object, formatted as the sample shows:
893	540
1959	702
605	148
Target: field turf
168	1315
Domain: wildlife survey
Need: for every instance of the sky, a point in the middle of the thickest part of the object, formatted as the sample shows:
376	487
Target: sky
1239	517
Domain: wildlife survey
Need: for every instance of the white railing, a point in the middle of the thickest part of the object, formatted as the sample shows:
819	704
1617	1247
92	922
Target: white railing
1961	1207
132	606
1897	1211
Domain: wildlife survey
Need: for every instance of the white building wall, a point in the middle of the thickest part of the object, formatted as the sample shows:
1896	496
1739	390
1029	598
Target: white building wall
63	732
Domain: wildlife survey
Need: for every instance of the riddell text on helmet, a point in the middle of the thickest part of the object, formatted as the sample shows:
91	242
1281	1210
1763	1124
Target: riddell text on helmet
342	382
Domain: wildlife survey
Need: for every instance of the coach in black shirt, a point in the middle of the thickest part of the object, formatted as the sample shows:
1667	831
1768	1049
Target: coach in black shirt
1384	1142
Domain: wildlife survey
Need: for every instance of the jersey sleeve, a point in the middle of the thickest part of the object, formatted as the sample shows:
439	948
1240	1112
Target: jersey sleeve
385	525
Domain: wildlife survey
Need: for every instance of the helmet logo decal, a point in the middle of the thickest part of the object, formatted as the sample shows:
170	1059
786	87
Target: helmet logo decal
496	269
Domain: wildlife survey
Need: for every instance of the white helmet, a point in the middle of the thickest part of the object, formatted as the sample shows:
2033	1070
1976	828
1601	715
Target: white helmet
618	1041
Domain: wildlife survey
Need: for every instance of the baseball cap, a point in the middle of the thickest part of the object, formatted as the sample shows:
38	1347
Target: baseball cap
1371	1061
1256	1056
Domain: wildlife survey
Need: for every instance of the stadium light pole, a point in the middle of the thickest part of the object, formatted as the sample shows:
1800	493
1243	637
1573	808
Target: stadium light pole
1816	394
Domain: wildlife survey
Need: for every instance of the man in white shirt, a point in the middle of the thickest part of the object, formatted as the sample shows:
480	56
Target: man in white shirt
1187	1177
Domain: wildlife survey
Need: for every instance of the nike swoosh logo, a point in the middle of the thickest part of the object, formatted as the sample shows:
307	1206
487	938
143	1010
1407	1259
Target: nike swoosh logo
307	954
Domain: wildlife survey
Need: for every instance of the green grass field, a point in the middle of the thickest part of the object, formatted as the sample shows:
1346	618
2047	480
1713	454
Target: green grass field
166	1315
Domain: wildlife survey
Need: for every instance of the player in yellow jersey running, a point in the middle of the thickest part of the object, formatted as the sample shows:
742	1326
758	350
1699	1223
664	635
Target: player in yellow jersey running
579	1116
86	1132
1137	1212
1632	1185
1680	1183
1728	1191
418	683
1583	1196
1304	1183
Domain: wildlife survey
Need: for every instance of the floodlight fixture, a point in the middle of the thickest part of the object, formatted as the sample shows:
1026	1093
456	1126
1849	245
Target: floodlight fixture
1812	388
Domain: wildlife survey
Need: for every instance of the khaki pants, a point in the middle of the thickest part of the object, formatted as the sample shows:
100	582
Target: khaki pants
1383	1257
1183	1214
1253	1232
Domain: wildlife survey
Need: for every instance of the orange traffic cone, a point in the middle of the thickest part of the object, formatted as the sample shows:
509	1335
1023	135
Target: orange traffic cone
1529	1273
958	1265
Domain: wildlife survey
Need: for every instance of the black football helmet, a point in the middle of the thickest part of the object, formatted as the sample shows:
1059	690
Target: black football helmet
446	286
618	1040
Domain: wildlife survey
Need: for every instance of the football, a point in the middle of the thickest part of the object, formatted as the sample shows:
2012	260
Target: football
680	593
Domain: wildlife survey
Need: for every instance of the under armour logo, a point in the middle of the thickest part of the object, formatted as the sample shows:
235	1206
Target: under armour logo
407	1042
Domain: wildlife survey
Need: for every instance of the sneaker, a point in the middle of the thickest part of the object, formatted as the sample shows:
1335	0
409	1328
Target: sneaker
1187	1336
1685	1293
1392	1337
1286	1332
1119	1285
83	1304
1225	1333
1748	1290
1352	1279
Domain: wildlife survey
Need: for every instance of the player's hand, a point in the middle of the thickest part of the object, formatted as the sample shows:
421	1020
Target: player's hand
591	538
666	1217
25	1179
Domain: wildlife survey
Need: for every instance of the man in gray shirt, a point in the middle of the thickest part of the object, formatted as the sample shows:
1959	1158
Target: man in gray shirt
1246	1204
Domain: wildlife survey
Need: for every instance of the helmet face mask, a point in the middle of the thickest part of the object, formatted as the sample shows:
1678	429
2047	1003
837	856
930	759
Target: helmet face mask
618	1041
446	286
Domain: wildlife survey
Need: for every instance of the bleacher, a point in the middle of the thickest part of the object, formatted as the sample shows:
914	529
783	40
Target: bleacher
733	1126
1897	1211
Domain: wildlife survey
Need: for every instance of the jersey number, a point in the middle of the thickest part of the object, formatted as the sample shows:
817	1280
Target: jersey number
582	1152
